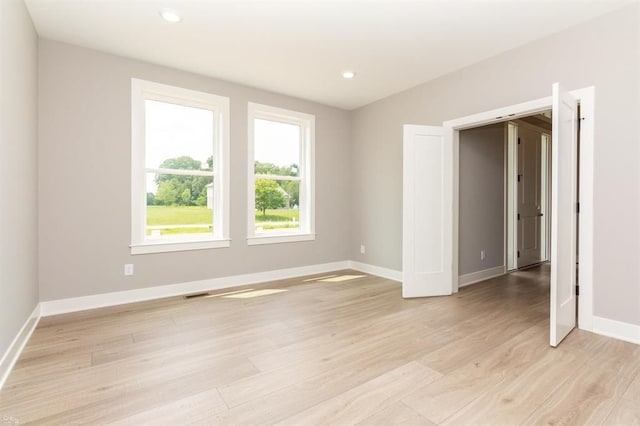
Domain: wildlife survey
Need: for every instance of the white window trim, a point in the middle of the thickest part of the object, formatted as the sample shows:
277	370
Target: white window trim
142	90
306	179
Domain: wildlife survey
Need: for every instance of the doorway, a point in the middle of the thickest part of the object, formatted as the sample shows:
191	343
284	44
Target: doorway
528	195
430	227
503	192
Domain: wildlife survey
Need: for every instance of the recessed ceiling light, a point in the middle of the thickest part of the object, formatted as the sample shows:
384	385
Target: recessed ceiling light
348	74
170	15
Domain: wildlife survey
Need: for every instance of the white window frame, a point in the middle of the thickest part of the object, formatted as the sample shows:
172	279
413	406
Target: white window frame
142	90
306	171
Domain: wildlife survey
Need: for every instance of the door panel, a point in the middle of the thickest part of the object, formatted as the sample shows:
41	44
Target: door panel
427	166
531	234
427	212
564	163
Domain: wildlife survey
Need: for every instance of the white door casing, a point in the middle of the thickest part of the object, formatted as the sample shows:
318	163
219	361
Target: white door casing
511	181
545	175
427	212
564	163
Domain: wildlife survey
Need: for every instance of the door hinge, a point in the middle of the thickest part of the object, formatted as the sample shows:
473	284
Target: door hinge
518	253
518	141
577	290
519	178
518	216
577	207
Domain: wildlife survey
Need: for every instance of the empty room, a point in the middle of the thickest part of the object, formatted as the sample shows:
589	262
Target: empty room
319	212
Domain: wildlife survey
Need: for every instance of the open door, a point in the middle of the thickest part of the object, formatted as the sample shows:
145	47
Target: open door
564	163
427	233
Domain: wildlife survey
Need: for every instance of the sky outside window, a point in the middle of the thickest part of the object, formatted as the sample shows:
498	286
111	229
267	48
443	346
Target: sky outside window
276	143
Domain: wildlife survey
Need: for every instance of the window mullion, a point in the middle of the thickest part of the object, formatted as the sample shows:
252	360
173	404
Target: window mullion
277	177
182	172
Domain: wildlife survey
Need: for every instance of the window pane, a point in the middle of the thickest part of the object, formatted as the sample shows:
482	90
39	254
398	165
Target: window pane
179	205
277	208
178	137
276	148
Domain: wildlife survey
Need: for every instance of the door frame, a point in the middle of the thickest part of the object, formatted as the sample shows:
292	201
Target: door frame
586	99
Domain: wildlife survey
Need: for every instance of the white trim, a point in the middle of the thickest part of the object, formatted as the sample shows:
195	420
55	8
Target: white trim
586	98
500	114
476	277
142	90
306	167
62	306
511	195
379	271
454	138
277	239
616	329
17	345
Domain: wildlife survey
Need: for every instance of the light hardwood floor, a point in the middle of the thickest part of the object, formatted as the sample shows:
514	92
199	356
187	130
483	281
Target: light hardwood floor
339	349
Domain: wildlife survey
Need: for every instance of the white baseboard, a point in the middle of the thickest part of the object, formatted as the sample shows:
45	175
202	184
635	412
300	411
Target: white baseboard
19	342
63	306
390	274
616	329
475	277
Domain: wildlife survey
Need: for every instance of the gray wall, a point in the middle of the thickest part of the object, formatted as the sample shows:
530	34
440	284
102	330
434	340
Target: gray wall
85	208
603	53
18	169
481	197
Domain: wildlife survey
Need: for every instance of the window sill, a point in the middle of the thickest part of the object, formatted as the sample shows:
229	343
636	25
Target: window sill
170	246
277	239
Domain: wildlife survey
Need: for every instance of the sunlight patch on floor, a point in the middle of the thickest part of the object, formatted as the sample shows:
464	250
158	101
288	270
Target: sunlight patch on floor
318	278
340	278
257	293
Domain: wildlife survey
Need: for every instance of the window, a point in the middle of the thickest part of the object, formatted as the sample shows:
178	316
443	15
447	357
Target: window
281	187
180	163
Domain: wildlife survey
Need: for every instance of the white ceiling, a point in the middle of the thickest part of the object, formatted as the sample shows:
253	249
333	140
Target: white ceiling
301	47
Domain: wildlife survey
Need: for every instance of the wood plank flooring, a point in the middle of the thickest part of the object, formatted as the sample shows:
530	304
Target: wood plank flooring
343	348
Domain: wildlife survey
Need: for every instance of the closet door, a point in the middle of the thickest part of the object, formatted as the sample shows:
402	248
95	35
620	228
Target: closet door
427	268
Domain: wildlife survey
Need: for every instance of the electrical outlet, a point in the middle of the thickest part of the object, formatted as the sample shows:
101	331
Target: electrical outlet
128	269
362	249
481	254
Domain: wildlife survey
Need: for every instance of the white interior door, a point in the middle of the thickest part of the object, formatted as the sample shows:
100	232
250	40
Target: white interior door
529	214
427	238
564	162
